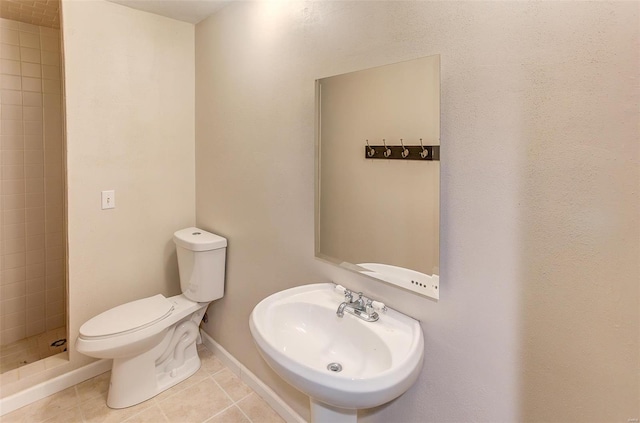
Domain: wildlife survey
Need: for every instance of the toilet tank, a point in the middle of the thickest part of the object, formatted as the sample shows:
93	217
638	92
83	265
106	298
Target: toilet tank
201	262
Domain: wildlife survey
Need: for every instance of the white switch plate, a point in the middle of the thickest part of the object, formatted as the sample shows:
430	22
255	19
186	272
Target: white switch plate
108	200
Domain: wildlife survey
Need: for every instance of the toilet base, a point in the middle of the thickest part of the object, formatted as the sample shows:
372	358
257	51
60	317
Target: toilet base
135	380
139	378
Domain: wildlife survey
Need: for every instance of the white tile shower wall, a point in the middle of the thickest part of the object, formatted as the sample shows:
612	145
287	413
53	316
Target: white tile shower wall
32	241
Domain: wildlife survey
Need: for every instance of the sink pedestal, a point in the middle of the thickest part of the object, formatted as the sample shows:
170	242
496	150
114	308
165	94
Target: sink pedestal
324	413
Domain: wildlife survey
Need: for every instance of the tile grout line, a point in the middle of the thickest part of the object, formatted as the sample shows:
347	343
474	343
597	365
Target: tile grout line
162	412
217	414
223	390
233	402
177	391
243	398
77	405
141	410
246	396
242	411
78	402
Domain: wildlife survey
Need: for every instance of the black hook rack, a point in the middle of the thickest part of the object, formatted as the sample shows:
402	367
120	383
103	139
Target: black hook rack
402	152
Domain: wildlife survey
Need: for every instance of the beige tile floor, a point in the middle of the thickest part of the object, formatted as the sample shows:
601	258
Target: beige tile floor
33	348
213	395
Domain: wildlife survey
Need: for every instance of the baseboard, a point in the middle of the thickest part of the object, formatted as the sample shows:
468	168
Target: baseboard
50	387
280	407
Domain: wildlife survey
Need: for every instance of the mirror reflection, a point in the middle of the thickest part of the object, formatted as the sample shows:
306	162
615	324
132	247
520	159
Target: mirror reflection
380	216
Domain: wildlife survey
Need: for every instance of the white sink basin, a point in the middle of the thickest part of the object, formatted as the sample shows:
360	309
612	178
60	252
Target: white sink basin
298	334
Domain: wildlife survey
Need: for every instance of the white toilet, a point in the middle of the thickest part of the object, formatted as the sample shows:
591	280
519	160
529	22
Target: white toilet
152	341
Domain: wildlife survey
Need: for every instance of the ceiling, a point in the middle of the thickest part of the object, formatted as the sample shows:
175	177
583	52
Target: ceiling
47	12
192	11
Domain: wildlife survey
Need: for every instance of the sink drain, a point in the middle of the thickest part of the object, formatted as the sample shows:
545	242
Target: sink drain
334	367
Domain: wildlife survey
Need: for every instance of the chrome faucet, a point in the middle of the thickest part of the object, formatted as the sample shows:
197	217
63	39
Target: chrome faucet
362	307
340	311
348	299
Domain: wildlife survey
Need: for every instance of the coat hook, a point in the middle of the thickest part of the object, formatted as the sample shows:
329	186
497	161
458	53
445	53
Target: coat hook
424	153
405	152
387	150
370	152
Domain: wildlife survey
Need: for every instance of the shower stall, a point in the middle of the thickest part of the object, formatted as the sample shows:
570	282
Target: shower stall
33	299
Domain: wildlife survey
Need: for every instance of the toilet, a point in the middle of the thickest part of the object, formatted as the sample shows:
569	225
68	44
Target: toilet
152	341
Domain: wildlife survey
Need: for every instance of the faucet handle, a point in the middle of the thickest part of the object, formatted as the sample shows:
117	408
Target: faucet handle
369	307
348	295
377	305
342	290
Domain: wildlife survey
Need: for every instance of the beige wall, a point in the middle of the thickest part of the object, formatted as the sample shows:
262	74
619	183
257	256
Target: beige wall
32	242
130	128
380	211
539	244
130	103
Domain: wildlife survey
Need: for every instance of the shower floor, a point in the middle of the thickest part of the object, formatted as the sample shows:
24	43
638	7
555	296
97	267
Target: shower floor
33	348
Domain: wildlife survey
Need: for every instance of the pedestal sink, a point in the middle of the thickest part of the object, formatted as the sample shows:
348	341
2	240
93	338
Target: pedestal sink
343	364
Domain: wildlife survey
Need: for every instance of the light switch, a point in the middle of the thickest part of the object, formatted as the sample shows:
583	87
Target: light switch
108	200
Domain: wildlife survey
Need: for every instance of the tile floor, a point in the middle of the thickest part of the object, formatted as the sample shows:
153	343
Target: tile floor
33	348
213	395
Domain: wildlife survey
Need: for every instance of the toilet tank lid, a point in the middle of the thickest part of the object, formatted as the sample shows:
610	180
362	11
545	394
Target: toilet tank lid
195	239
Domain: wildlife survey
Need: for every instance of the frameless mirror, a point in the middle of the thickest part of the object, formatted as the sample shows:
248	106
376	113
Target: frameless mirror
378	172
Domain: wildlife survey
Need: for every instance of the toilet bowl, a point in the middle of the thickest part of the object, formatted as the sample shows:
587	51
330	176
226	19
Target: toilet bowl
152	341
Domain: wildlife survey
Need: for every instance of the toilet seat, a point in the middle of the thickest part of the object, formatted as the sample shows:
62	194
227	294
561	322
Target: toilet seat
126	318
